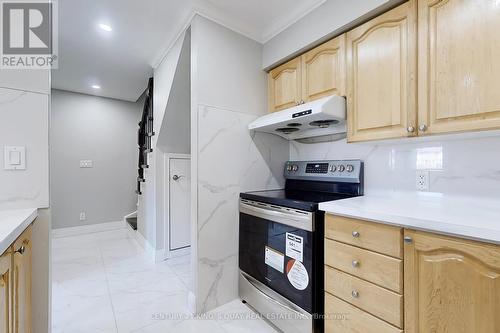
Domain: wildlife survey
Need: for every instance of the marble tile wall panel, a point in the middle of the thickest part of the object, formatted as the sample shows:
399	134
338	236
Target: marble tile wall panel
230	161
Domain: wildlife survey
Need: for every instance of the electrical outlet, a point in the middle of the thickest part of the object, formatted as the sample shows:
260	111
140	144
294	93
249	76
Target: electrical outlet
86	164
83	216
422	180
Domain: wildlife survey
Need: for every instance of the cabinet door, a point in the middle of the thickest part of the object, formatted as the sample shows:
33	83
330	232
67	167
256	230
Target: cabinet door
285	84
324	70
459	71
451	285
5	292
22	283
381	69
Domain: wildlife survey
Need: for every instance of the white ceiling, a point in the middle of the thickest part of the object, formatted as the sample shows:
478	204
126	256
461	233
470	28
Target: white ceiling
121	61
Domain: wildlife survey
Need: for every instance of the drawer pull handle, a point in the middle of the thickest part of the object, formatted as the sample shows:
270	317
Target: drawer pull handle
21	250
408	240
355	294
355	234
355	263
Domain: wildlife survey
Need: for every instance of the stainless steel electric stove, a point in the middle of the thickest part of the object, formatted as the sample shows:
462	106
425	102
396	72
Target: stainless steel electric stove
281	242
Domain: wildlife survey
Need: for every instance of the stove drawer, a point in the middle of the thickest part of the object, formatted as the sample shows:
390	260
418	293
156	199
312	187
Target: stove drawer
365	295
342	317
368	235
377	268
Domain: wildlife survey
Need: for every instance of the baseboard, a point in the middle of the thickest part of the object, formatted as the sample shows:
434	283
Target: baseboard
177	253
192	302
148	248
87	229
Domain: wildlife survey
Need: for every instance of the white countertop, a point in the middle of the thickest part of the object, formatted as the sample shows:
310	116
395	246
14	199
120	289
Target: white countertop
13	223
466	217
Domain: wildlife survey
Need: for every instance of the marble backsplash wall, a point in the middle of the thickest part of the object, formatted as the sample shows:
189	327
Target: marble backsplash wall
457	164
230	161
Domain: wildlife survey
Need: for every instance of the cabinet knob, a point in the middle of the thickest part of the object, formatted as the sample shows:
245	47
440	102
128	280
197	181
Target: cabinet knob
422	127
21	250
355	294
355	234
355	263
410	129
408	240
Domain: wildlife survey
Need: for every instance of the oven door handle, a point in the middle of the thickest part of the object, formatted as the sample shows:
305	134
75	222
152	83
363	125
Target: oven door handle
296	219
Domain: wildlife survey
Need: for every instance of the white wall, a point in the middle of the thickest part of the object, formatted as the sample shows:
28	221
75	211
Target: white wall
228	92
103	130
326	21
24	120
149	213
175	130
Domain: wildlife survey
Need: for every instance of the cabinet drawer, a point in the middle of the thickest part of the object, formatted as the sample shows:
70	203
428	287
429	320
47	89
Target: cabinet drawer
371	236
365	295
341	317
377	268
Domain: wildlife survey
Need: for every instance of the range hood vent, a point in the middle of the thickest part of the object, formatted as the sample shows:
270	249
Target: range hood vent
324	118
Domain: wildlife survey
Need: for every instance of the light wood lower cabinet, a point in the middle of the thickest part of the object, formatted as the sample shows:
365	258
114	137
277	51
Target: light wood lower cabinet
378	301
451	285
5	292
22	283
345	318
15	286
379	269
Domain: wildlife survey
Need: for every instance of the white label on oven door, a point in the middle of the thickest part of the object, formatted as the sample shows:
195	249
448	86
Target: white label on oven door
297	274
275	259
295	247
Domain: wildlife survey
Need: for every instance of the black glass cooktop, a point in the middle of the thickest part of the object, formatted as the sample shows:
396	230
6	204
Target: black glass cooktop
302	200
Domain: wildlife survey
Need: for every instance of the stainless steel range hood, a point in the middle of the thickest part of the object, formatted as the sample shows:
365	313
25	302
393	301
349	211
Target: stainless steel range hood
320	120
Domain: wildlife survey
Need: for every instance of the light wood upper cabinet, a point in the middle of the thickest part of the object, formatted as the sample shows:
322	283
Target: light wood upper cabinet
5	292
381	76
324	70
459	71
316	74
451	285
285	85
22	282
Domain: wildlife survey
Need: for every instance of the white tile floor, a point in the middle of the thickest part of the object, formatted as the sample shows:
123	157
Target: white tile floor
103	283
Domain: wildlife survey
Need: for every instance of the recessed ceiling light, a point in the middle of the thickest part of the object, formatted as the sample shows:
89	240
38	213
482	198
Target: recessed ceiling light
95	86
105	27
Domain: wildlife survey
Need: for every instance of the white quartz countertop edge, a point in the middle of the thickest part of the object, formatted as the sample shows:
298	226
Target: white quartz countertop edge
13	223
438	219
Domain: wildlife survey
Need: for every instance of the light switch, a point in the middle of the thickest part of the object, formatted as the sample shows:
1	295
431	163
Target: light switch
15	158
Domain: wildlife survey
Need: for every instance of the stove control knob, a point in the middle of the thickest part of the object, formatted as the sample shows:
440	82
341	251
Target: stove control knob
295	167
350	168
341	168
289	167
333	168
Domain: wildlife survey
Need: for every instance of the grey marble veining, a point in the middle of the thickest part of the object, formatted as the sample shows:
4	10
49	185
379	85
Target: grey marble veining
230	161
456	166
24	121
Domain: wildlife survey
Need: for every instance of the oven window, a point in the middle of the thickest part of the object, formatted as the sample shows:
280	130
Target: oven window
288	271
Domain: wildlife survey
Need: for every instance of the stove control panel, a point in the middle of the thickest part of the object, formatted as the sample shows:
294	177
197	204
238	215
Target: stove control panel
349	171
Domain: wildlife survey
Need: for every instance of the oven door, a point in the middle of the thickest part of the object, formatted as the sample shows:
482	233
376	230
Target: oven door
276	248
